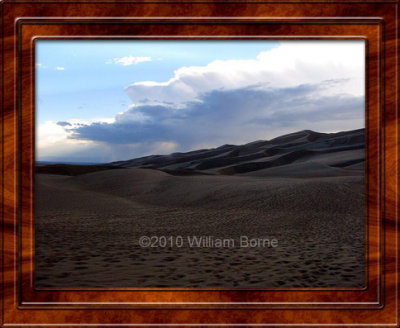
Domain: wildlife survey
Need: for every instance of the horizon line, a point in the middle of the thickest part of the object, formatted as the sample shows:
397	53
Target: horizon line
53	162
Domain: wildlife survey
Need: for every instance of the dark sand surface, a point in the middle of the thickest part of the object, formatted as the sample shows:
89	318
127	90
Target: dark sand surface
88	226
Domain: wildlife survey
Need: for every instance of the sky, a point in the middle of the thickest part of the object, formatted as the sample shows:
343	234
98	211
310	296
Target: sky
103	101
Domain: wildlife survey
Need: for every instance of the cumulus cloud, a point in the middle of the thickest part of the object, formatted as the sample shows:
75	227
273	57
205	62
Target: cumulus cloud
292	63
128	60
60	68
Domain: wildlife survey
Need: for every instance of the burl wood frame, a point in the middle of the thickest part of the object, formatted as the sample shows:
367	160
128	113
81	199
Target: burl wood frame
25	21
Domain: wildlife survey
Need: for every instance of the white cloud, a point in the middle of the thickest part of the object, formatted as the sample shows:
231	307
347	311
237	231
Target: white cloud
291	64
128	60
49	133
60	68
52	143
77	121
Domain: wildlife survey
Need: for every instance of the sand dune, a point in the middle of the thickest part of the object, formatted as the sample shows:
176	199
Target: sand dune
336	149
88	226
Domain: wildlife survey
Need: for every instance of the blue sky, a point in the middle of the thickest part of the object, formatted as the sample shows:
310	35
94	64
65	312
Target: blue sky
87	85
100	101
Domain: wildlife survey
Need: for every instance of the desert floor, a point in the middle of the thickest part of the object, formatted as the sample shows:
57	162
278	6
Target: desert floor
87	228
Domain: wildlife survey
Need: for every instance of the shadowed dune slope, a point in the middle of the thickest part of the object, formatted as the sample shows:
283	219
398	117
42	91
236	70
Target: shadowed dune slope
158	188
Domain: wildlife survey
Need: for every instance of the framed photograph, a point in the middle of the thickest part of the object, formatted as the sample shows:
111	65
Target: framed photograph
200	163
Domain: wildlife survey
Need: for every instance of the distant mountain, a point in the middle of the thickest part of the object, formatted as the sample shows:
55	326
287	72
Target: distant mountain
68	163
296	154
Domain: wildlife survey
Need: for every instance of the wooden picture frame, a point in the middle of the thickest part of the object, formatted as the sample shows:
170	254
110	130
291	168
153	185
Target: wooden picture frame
376	22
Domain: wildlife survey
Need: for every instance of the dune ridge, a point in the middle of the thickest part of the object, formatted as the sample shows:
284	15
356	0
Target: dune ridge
305	146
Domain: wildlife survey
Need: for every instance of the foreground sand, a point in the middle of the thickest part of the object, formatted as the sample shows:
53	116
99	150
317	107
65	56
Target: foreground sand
88	229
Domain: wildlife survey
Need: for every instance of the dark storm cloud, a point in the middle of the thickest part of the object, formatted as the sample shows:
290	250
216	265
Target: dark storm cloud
221	113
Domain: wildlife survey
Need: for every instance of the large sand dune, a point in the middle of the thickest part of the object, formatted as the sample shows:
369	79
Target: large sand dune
334	149
312	202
